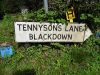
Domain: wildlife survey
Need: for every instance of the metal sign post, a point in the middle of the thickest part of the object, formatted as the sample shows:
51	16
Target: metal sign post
46	5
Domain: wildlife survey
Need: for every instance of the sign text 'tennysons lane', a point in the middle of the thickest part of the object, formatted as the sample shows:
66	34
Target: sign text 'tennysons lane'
50	32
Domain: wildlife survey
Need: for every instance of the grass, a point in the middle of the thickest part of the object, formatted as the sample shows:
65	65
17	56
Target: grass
48	58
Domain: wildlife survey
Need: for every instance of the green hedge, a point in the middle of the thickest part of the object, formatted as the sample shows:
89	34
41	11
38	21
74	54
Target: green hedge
49	58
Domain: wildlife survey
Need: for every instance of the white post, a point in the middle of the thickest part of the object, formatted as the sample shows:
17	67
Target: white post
46	5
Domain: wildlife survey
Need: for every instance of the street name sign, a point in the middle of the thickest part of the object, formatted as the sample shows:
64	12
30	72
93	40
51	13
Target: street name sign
51	32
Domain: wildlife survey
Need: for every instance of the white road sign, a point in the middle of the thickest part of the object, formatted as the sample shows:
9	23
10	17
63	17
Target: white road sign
51	32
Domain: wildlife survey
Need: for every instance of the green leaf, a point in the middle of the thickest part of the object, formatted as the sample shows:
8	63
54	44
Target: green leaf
83	16
97	19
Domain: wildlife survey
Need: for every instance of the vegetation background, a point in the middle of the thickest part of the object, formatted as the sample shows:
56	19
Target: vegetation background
50	58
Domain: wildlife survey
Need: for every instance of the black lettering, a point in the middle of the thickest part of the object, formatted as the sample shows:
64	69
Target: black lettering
40	36
19	26
54	36
64	36
45	27
29	27
44	36
54	27
49	36
66	28
30	36
35	27
76	28
69	36
34	37
59	28
71	28
40	26
24	27
59	36
81	29
50	27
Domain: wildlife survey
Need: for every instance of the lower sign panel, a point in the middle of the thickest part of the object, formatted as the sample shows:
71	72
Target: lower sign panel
50	32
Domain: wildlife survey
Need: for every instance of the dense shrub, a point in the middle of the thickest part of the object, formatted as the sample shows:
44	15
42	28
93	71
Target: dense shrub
14	6
51	58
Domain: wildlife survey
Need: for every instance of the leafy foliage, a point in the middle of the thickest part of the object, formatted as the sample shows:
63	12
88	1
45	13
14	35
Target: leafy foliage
51	58
7	29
